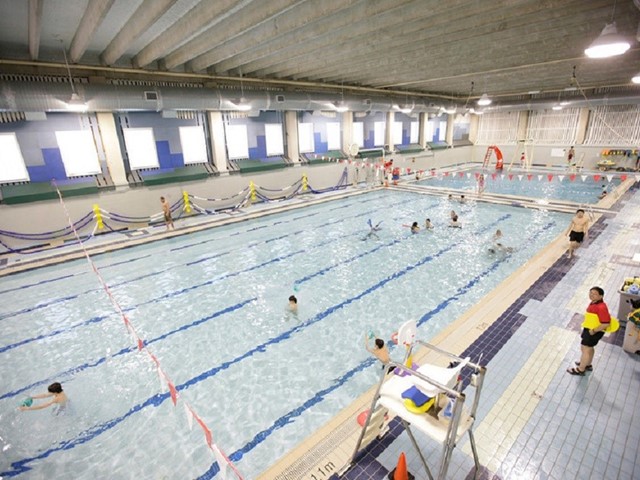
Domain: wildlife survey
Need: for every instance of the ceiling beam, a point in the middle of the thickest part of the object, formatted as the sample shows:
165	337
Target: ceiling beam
205	15
350	35
289	21
35	25
93	15
301	35
241	21
420	35
146	15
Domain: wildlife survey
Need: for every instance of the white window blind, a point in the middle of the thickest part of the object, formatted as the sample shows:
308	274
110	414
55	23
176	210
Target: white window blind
413	133
551	127
378	133
306	142
397	133
498	127
237	141
12	167
273	139
78	152
333	136
194	145
141	148
358	134
614	125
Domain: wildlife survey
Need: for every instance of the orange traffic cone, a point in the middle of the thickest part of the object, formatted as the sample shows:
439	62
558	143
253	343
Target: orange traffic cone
400	472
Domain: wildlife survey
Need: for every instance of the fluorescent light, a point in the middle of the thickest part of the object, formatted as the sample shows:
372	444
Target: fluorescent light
556	107
533	92
564	104
484	100
636	78
608	44
76	104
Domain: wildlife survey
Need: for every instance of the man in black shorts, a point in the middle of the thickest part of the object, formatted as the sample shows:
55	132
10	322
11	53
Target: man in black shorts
578	231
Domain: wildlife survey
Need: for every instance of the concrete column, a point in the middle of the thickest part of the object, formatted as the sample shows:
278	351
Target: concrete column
347	131
422	129
109	135
448	136
218	145
523	124
473	128
388	130
583	122
291	134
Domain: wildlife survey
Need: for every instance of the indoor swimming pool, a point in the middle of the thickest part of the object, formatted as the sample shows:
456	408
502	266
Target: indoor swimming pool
580	188
212	306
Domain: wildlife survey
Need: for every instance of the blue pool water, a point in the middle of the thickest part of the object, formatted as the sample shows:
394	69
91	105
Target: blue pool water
212	307
538	186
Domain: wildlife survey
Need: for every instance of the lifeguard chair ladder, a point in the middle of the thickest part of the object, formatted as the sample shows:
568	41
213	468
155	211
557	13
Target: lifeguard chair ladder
441	381
524	149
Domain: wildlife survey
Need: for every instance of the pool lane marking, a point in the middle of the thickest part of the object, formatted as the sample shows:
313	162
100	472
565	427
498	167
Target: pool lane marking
504	217
22	287
64	299
158	399
287	418
101	360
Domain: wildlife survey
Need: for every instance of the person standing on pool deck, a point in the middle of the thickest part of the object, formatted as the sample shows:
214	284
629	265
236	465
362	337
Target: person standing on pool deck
570	155
591	336
54	390
578	231
166	210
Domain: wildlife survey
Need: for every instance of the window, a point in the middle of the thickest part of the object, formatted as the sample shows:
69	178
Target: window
397	133
12	167
413	133
378	133
306	142
333	136
358	134
194	146
78	152
273	139
141	148
237	142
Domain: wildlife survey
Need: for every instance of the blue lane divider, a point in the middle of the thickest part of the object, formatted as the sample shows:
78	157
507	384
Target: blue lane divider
79	368
20	466
316	398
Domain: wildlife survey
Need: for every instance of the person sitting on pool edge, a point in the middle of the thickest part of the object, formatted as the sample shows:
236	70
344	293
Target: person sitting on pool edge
54	390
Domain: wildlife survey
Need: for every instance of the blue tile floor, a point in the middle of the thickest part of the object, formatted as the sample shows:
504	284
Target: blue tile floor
535	421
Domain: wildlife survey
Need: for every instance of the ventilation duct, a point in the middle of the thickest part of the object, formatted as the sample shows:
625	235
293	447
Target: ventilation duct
44	96
18	96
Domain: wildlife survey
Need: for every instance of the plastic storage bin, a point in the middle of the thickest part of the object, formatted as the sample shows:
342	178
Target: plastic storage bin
631	343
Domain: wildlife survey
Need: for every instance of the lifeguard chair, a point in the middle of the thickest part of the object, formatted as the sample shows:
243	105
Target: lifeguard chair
398	393
487	157
524	151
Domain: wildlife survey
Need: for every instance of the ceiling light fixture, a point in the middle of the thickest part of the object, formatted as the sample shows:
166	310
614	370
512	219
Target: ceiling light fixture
556	107
484	100
636	78
608	44
75	103
341	107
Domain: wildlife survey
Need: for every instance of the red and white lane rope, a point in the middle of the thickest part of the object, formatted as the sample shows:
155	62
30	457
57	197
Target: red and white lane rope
221	458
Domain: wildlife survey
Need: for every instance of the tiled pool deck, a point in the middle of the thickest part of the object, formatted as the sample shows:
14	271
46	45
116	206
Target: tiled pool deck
535	421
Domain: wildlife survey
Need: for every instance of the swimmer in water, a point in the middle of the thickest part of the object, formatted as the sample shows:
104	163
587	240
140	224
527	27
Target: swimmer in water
414	227
293	304
373	230
427	224
54	390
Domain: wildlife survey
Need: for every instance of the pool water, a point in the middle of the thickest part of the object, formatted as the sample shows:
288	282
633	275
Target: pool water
212	307
579	188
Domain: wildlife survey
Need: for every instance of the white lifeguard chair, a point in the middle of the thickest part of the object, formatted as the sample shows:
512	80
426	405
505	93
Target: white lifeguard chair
524	152
438	382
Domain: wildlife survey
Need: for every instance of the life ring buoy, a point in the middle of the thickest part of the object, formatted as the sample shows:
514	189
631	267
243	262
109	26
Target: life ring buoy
362	417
